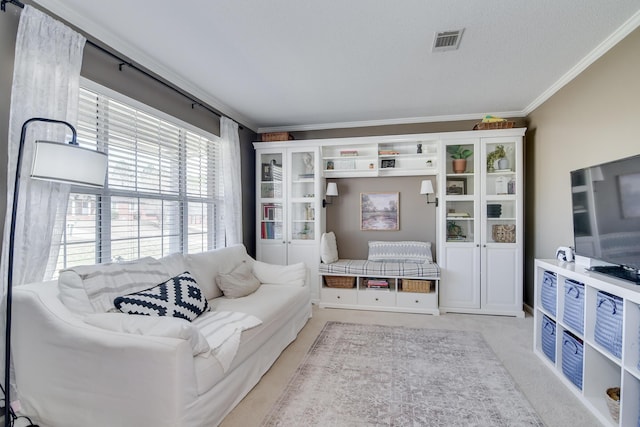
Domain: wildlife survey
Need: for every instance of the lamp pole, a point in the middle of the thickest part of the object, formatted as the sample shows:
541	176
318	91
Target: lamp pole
9	415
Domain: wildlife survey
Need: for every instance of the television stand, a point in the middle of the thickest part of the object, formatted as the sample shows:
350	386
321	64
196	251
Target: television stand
618	271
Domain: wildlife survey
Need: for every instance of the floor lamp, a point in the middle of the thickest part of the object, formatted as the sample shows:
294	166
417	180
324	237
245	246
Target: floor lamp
53	161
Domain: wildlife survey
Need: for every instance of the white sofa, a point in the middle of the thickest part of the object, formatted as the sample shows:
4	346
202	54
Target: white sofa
77	366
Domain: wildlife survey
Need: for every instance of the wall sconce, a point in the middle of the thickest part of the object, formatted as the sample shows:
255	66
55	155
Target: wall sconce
332	191
427	188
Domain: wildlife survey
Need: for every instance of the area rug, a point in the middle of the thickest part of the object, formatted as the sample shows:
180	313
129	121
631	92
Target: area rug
372	375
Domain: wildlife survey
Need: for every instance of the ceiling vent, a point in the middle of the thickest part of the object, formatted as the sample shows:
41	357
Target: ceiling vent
447	40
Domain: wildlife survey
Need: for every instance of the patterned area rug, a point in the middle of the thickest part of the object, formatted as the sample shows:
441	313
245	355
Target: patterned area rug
370	375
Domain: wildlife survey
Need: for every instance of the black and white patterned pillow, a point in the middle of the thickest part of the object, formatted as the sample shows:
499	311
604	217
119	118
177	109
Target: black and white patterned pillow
179	297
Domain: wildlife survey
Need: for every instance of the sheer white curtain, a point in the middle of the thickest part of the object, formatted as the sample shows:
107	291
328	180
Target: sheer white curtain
232	180
46	78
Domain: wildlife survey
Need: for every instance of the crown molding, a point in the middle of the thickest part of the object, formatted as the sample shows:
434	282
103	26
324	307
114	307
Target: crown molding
619	34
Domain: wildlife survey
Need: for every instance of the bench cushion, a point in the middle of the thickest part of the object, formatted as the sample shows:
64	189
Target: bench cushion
359	267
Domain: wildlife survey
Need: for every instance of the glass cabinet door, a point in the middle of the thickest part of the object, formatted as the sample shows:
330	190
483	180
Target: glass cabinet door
459	192
302	202
500	191
271	196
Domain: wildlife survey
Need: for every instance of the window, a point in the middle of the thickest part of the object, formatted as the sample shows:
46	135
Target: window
164	189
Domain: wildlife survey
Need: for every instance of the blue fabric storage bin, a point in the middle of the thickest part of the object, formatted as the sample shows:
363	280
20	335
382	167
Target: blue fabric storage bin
548	292
548	338
573	313
608	329
572	355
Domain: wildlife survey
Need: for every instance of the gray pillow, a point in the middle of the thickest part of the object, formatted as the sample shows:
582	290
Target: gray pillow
240	282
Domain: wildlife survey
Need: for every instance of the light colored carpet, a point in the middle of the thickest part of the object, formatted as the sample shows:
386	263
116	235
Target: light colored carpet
374	375
511	339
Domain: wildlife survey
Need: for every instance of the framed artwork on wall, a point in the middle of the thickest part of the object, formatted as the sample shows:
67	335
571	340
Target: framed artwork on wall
380	211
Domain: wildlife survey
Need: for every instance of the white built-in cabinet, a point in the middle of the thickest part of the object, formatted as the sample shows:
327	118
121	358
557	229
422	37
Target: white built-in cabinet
480	255
480	238
289	205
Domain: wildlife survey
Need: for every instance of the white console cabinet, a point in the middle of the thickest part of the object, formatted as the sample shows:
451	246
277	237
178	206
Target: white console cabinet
600	368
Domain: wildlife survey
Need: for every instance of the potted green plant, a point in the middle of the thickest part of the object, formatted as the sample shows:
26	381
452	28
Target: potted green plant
459	154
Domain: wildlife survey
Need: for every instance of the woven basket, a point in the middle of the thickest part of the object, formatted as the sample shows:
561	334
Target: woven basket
494	125
340	281
613	402
276	136
413	285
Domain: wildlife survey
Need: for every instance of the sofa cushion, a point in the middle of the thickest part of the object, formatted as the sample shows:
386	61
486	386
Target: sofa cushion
72	293
174	263
400	251
104	282
294	274
170	327
328	248
179	297
206	266
238	283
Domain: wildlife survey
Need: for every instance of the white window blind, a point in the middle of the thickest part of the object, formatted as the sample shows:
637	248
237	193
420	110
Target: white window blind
164	187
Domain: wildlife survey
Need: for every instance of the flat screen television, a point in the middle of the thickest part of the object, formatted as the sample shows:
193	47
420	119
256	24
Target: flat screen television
606	216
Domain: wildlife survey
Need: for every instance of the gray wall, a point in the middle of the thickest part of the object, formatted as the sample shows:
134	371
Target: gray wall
104	70
417	219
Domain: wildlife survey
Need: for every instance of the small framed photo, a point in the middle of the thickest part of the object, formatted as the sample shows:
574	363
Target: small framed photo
266	172
456	186
388	163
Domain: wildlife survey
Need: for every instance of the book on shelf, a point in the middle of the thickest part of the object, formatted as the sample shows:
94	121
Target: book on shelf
388	152
377	284
457	215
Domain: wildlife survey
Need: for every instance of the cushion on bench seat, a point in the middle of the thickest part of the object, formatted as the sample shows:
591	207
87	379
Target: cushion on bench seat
358	267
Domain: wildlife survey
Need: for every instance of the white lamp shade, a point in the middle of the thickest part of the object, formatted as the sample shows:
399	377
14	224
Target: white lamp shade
332	189
68	163
426	187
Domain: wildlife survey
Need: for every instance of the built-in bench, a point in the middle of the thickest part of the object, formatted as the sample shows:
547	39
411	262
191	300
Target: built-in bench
397	276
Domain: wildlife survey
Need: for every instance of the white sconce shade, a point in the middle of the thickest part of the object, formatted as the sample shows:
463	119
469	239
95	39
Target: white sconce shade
69	163
332	189
426	187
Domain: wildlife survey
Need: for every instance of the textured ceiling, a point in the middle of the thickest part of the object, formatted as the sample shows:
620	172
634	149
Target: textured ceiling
291	64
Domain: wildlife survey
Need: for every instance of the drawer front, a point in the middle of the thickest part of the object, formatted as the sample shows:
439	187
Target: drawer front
383	298
417	300
339	296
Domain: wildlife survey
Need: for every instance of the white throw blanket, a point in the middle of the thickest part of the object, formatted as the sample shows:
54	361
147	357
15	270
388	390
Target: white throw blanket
222	330
214	333
104	282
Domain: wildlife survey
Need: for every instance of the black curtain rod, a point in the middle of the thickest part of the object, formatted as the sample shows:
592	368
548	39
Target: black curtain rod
129	64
